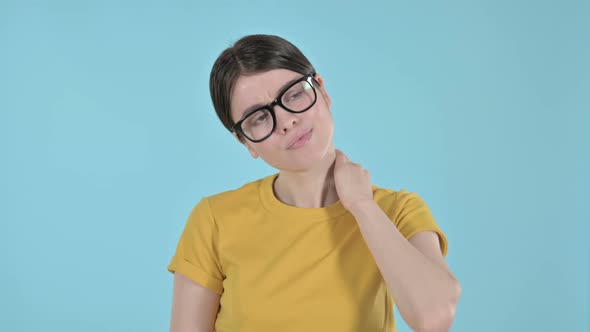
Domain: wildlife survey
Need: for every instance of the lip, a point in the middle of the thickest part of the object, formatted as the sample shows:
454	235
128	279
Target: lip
300	139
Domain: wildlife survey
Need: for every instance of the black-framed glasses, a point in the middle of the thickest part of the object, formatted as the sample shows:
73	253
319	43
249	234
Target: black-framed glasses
260	123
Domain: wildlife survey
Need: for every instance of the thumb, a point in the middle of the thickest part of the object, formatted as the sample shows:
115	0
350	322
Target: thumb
340	156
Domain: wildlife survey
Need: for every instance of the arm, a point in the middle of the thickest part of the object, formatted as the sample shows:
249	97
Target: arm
425	291
194	307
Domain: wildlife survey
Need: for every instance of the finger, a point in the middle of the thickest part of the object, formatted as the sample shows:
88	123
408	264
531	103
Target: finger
338	161
341	154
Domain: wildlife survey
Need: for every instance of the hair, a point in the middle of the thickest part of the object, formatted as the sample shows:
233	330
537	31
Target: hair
252	54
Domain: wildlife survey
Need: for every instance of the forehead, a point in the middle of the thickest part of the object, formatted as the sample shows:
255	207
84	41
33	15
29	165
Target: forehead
259	89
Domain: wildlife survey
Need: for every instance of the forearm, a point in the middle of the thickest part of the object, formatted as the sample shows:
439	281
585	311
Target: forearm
425	293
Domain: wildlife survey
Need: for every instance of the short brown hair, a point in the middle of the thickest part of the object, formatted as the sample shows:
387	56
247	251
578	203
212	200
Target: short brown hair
252	54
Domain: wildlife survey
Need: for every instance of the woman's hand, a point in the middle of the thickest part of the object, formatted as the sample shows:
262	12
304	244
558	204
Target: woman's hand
353	182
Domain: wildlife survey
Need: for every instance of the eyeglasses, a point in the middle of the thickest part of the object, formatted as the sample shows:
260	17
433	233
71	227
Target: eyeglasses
260	123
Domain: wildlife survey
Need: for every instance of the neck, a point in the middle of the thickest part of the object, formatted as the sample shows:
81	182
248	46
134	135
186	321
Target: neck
313	188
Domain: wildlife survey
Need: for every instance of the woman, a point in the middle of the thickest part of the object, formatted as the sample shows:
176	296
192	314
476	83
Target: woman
316	246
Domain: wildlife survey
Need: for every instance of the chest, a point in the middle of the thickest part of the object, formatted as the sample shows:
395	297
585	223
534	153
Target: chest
304	275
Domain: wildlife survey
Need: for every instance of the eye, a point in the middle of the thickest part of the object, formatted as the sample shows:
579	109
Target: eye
259	119
295	95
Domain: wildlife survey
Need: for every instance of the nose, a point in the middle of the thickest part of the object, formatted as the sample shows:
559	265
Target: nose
285	120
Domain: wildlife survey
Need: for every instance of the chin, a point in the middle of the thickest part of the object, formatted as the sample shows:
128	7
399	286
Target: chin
303	161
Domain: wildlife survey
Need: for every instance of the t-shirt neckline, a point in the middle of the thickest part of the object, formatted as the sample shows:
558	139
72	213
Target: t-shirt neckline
275	206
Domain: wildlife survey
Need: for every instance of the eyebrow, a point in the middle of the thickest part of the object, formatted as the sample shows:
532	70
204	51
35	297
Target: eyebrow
257	106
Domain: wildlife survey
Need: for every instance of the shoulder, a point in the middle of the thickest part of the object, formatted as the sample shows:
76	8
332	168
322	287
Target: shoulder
235	200
391	200
412	216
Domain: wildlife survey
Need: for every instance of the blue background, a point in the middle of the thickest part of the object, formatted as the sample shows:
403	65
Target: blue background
108	138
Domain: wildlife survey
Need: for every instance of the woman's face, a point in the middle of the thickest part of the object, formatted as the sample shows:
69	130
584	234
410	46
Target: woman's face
262	89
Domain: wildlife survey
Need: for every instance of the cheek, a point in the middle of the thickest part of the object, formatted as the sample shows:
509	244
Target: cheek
320	118
271	152
323	118
268	147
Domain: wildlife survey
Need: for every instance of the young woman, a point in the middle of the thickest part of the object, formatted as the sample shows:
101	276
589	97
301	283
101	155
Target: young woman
316	246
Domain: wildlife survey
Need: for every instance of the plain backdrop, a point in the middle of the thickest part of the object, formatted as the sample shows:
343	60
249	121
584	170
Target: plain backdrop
108	138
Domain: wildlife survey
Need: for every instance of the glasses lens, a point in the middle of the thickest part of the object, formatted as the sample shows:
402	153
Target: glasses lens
299	97
258	125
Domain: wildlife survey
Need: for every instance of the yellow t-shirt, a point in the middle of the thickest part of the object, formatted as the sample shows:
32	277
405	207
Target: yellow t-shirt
282	268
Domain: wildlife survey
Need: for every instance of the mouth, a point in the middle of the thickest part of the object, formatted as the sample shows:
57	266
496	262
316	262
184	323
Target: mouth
301	140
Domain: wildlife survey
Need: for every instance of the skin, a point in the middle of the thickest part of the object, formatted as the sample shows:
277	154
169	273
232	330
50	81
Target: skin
318	175
306	177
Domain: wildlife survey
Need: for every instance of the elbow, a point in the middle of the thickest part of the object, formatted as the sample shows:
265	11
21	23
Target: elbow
441	318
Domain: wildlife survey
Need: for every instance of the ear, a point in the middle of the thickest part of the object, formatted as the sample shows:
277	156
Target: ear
246	143
253	153
323	89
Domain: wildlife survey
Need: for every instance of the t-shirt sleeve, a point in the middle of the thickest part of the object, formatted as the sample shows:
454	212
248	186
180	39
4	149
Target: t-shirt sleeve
196	255
411	215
